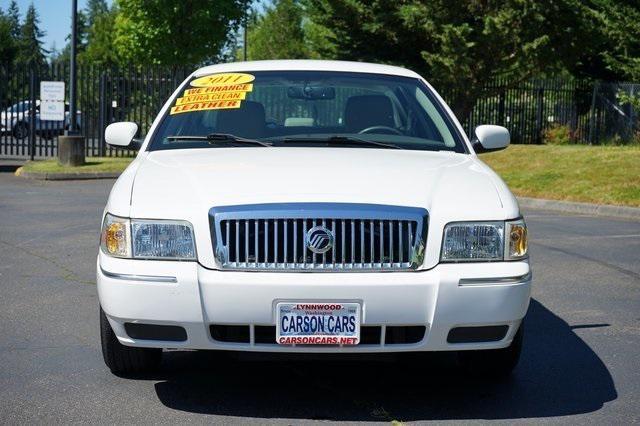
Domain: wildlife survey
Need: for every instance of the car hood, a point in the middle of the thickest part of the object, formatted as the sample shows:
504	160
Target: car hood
185	184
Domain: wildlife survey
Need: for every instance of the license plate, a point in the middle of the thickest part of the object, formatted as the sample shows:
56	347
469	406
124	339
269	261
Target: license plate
318	323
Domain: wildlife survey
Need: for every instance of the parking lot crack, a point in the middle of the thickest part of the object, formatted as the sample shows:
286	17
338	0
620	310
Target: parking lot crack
67	274
616	268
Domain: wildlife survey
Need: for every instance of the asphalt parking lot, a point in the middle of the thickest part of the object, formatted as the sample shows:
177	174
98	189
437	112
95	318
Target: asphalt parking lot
580	361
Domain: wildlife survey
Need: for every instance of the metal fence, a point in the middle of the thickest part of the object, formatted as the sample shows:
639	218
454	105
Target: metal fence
105	95
591	111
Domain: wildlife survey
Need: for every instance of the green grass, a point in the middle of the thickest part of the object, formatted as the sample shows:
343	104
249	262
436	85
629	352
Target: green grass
602	175
93	164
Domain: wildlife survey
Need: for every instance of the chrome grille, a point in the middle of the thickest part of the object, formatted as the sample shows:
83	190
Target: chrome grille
273	237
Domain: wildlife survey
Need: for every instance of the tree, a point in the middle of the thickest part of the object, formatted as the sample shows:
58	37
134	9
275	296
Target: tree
101	34
175	32
13	14
8	43
318	40
95	9
95	32
63	56
31	52
100	48
457	45
9	34
619	44
278	34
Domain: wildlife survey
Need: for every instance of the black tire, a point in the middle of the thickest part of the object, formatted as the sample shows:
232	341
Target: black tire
21	130
125	360
493	363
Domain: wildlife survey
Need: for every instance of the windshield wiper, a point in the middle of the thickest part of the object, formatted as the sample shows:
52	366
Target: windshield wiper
342	140
212	138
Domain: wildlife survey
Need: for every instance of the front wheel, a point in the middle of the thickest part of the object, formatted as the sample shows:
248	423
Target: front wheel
21	130
123	359
496	363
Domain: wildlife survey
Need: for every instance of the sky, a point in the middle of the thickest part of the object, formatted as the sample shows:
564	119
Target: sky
55	18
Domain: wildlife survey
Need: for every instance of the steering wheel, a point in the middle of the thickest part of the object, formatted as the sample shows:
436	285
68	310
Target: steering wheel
373	129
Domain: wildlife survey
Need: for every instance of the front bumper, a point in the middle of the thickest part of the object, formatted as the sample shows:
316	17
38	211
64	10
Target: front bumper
490	294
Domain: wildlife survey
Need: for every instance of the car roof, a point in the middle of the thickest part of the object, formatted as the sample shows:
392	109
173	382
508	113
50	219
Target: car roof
306	65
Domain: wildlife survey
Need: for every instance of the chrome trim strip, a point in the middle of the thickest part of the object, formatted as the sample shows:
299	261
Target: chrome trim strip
497	280
133	277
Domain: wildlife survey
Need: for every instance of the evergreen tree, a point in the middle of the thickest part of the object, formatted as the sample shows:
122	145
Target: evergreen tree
95	9
95	32
278	34
8	45
100	36
458	45
13	14
64	56
618	22
31	52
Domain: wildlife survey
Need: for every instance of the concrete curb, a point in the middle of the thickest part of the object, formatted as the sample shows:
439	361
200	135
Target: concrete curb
581	208
66	176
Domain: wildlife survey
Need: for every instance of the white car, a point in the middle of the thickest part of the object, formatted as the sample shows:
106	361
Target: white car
311	206
15	120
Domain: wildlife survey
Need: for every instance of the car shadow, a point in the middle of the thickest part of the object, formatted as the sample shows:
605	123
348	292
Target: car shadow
558	375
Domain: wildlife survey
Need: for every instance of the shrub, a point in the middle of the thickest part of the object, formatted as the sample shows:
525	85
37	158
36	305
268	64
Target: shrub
558	135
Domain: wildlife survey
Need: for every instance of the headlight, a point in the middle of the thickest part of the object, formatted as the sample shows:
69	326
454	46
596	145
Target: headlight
166	239
147	239
484	241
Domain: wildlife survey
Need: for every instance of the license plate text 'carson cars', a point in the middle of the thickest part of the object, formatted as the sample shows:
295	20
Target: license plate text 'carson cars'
318	323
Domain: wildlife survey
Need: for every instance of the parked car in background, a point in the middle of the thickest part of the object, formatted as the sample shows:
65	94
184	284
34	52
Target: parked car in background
14	120
311	206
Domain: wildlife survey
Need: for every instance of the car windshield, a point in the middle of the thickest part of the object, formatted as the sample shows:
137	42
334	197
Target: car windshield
306	108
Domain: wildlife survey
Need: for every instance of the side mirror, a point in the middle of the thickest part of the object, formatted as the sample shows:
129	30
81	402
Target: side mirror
121	135
491	138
